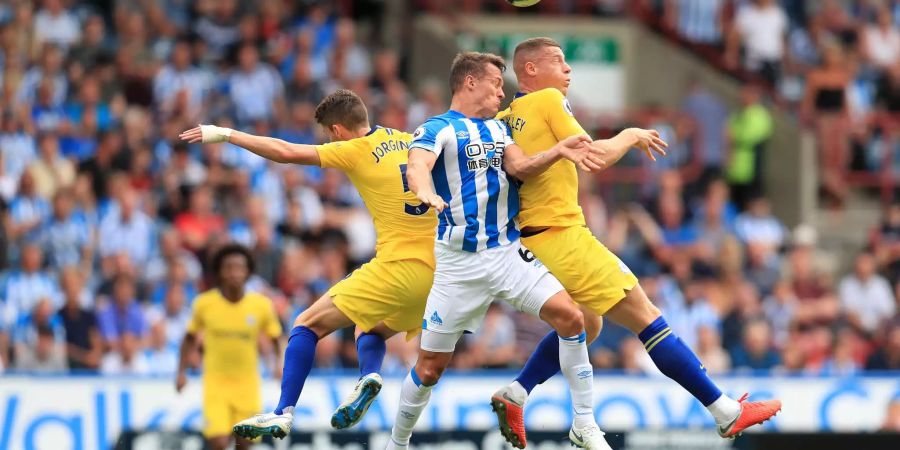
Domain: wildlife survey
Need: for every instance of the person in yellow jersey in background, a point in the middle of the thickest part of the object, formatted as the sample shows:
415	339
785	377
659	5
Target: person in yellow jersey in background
230	321
385	296
554	229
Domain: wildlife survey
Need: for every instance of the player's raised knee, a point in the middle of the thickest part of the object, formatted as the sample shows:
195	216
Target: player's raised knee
429	374
562	314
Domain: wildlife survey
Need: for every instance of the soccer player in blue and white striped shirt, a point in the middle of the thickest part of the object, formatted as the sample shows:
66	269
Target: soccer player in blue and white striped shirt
472	161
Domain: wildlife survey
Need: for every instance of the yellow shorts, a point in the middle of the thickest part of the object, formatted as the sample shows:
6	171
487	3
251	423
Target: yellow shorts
591	274
393	292
226	403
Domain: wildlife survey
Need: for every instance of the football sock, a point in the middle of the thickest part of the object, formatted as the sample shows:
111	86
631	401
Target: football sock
675	360
298	361
542	364
370	350
413	399
576	367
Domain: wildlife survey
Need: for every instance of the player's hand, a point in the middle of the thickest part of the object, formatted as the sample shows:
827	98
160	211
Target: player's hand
432	200
581	150
180	381
206	134
649	142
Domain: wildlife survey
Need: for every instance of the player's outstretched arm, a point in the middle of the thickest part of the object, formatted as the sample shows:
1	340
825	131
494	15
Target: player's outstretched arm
270	148
615	148
188	344
574	148
418	175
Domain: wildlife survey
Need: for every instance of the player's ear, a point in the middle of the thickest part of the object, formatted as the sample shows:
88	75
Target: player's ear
530	68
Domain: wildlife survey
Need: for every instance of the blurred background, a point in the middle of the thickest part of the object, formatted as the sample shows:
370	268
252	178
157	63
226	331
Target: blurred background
770	236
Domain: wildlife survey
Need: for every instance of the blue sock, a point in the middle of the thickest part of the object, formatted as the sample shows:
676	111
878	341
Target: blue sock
678	362
298	361
542	364
370	350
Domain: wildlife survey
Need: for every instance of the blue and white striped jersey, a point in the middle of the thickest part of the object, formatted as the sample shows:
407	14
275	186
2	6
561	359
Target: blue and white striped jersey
469	176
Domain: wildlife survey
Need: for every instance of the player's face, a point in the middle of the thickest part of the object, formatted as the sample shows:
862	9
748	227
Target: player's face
234	271
552	70
489	89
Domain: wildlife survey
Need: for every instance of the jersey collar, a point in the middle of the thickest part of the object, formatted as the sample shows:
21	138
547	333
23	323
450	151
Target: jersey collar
520	94
374	129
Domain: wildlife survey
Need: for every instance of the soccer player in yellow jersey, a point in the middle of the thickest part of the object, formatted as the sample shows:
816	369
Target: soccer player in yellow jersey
384	297
230	321
554	229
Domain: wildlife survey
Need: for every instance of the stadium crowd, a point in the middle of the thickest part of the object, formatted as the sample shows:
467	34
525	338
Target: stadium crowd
108	219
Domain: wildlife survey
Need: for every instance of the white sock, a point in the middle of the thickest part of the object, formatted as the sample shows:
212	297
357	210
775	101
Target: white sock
518	390
413	399
725	409
573	359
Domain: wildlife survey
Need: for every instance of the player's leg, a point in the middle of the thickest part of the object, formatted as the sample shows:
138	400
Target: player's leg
321	319
416	389
370	350
678	362
530	287
395	294
219	442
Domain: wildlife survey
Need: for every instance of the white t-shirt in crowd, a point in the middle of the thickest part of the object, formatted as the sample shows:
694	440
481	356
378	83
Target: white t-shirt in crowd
762	33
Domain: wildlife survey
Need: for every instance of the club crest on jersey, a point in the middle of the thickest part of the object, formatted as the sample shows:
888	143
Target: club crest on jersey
251	320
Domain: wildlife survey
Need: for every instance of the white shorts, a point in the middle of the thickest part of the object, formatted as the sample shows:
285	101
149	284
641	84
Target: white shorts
466	283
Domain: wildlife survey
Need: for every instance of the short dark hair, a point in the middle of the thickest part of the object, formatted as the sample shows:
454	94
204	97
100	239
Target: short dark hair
472	63
342	107
526	47
227	250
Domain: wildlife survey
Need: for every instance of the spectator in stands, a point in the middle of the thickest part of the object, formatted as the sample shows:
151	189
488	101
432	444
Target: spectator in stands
25	287
83	345
756	352
171	253
28	212
710	351
173	314
46	115
44	355
180	77
66	239
126	359
51	171
699	22
17	142
866	297
255	88
54	24
843	361
816	303
885	241
161	358
780	308
176	279
129	231
825	106
200	223
122	317
709	114
749	130
888	356
49	70
758	227
760	29
880	43
494	344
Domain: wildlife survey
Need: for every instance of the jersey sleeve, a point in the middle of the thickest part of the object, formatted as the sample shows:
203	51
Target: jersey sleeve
559	114
195	325
429	137
339	155
271	325
507	133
